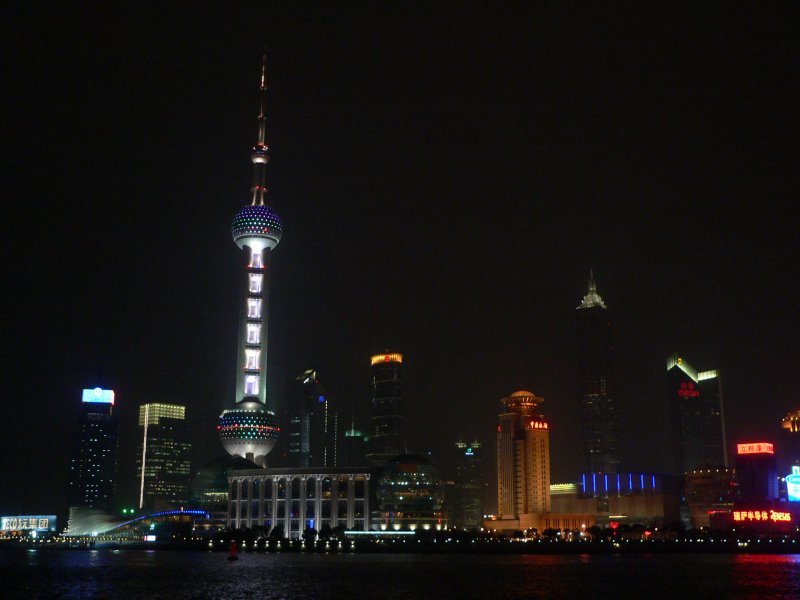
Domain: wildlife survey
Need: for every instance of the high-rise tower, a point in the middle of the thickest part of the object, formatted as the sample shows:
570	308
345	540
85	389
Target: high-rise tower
164	459
698	420
93	465
385	436
596	378
250	429
523	458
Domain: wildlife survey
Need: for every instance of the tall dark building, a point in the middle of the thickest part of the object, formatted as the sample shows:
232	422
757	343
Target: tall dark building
354	447
756	471
165	452
313	425
596	377
468	487
93	464
385	436
697	417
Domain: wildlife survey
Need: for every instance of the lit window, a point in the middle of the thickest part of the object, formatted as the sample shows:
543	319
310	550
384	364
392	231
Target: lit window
253	333
251	385
255	261
255	283
252	357
254	308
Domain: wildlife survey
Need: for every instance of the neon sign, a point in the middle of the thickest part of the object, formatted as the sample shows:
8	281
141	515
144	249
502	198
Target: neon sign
755	448
98	395
537	425
793	485
776	516
687	390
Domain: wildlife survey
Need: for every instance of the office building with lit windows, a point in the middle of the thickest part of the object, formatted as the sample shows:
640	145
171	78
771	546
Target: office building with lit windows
93	462
250	428
697	416
523	462
595	350
385	440
163	460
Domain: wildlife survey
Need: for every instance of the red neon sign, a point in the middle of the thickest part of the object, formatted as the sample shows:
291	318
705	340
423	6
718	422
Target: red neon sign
537	425
755	448
688	390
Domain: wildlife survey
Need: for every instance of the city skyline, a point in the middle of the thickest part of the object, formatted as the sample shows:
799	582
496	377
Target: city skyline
446	197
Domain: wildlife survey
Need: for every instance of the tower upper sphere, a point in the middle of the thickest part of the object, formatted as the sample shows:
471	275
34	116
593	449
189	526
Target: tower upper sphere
257	226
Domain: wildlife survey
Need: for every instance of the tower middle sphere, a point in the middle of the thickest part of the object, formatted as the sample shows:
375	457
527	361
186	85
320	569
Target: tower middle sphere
257	226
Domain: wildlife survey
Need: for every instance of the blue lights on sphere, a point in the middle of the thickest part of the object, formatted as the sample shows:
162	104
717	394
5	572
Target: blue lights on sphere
257	221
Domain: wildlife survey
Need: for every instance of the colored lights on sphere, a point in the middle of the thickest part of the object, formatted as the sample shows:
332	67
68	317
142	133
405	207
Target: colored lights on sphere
248	429
257	221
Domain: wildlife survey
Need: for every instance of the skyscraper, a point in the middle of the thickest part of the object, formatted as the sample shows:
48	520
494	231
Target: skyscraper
164	456
313	425
93	464
523	458
697	415
250	429
596	378
385	437
468	487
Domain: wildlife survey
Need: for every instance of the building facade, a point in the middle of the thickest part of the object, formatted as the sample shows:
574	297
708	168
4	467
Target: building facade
93	463
250	428
523	458
756	471
164	460
600	449
697	415
295	500
385	439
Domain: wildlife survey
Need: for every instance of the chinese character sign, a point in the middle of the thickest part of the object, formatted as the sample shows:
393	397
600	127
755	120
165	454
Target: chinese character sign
28	523
755	448
754	516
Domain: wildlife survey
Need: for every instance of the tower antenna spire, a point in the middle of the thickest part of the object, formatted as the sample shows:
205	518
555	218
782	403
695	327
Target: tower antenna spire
260	156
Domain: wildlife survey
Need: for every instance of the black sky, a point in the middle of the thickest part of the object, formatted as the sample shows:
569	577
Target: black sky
447	174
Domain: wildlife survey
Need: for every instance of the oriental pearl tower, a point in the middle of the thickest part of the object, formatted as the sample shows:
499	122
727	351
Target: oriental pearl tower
250	429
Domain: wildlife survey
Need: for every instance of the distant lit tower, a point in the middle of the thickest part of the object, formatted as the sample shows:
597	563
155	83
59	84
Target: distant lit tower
523	458
596	378
385	436
93	464
468	486
250	429
697	416
313	425
791	437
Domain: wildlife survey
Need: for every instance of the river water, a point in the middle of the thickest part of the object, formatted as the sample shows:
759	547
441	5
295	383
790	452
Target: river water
132	574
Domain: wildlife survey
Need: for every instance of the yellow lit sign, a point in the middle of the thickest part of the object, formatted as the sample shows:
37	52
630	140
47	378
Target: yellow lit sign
385	358
775	516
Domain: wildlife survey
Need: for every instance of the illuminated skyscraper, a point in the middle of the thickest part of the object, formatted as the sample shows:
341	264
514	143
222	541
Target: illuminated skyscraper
386	437
250	429
165	452
698	419
596	378
523	458
93	464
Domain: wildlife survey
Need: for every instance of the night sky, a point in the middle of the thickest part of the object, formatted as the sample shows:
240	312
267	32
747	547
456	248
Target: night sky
447	175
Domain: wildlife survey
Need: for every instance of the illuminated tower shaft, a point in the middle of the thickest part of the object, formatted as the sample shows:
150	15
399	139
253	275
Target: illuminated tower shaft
250	429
